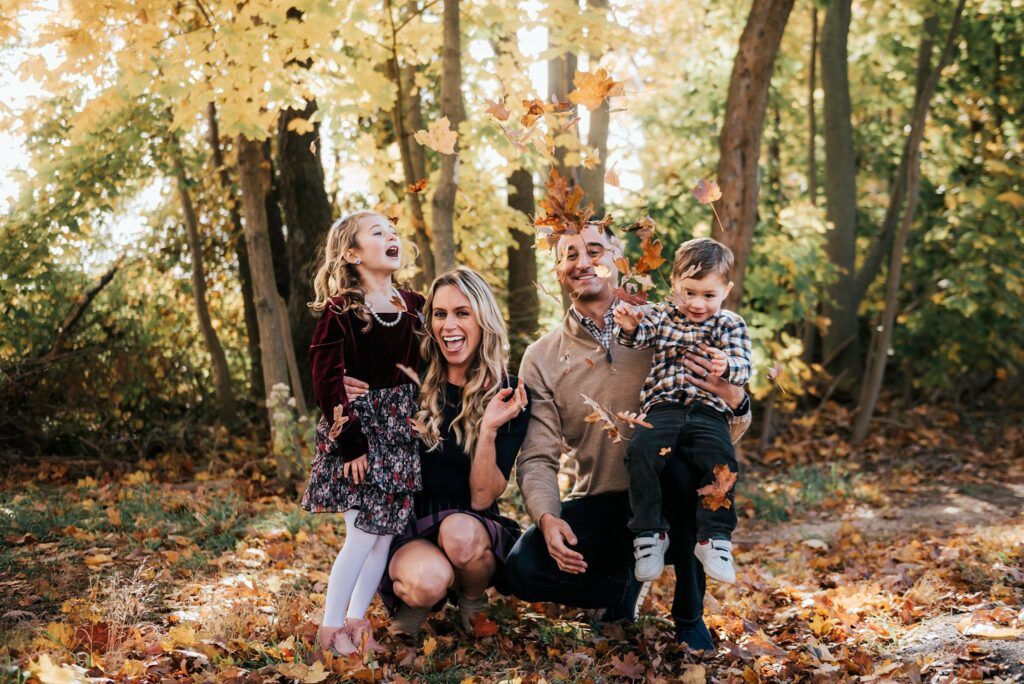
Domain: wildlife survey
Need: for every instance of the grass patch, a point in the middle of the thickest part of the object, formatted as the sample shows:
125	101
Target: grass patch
801	488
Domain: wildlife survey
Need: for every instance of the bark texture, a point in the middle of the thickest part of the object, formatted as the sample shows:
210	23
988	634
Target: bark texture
451	106
523	303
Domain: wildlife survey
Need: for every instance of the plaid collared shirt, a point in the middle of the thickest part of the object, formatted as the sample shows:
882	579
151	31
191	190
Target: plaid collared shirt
604	337
667	329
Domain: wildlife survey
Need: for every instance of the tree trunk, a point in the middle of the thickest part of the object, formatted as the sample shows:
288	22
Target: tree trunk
255	182
221	375
809	327
252	328
872	383
840	343
561	70
523	303
451	107
307	213
592	180
898	192
740	141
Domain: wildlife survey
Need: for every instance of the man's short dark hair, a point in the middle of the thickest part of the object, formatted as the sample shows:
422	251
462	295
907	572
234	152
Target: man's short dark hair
702	257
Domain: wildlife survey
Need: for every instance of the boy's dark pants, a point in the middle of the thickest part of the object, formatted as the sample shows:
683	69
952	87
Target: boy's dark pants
695	433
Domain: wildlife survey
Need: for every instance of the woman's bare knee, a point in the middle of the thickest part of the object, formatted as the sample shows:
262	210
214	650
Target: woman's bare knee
464	540
423	582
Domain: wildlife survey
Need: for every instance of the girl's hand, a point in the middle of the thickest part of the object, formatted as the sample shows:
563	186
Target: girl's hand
719	361
504	406
356	469
627	318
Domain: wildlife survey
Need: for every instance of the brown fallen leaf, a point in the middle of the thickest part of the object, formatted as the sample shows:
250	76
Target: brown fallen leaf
418	186
484	626
629	667
714	495
635	419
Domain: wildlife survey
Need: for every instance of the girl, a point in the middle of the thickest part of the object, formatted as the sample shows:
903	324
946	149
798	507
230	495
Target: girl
366	463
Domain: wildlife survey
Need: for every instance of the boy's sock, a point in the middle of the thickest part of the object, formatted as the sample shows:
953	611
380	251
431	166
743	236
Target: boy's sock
715	554
649	551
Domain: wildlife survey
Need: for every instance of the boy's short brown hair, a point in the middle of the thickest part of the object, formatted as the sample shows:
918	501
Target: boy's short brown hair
703	256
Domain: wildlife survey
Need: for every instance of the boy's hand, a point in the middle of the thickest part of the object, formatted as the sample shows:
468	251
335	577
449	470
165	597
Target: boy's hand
627	317
719	361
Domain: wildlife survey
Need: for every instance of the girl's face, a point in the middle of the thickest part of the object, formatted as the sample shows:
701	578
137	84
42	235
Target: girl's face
377	245
455	327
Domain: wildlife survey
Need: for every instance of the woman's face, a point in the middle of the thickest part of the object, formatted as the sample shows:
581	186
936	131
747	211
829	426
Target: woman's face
455	327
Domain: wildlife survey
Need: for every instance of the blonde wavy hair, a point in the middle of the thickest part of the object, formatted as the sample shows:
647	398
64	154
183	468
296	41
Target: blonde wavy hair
488	366
336	277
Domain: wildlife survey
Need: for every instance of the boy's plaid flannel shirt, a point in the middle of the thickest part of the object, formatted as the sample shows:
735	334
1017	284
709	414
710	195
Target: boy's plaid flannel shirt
668	330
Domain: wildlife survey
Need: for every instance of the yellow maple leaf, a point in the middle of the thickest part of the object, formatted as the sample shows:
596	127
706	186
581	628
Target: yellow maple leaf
439	136
182	635
49	672
594	88
301	126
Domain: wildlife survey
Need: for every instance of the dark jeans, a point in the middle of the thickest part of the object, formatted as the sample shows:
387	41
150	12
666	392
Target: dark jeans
696	434
603	537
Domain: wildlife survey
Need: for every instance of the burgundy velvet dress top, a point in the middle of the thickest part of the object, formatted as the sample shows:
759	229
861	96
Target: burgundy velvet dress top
376	424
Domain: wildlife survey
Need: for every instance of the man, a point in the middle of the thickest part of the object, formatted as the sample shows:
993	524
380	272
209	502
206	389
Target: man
580	552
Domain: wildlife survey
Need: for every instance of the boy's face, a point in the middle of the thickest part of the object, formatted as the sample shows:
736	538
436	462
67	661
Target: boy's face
700	298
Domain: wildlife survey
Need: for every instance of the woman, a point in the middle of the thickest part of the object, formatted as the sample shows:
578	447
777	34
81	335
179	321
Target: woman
472	421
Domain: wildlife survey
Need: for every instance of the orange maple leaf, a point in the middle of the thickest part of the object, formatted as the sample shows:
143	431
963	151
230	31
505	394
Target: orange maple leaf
714	495
651	259
418	186
594	88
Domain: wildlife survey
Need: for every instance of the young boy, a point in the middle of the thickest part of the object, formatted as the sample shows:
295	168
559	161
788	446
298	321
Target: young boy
687	422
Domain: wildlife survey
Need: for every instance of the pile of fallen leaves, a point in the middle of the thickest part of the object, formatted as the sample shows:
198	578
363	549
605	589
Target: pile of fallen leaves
900	561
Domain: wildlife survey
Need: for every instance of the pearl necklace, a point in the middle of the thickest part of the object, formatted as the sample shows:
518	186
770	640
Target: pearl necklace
386	324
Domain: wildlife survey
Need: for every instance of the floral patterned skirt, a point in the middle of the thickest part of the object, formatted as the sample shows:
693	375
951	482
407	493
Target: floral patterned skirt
384	498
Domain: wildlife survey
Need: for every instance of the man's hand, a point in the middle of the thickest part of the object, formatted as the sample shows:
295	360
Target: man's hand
558	536
356	469
719	361
627	317
700	375
354	388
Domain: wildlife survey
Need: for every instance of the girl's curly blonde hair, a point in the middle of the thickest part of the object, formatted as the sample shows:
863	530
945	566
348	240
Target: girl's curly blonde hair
487	368
336	277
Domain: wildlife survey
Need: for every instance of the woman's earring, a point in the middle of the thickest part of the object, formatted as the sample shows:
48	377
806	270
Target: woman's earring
357	261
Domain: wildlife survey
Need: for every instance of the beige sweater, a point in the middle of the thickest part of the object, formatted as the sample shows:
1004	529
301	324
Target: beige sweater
556	370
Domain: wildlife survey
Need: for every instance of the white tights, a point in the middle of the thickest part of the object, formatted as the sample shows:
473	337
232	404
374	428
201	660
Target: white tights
356	573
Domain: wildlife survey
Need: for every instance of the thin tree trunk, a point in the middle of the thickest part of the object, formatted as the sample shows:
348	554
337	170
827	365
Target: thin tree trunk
740	141
840	341
221	375
872	265
872	384
592	180
561	70
407	118
307	213
275	226
809	328
252	328
523	303
255	184
451	107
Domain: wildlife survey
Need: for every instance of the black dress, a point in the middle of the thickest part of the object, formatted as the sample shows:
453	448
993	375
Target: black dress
445	472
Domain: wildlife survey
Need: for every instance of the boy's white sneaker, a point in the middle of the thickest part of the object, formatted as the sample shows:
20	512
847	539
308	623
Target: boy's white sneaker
716	557
649	552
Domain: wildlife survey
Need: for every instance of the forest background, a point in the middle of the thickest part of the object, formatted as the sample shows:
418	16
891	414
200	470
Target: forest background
184	161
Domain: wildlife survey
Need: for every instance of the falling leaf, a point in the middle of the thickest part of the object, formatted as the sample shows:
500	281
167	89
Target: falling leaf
589	361
599	415
535	109
635	419
312	147
484	626
418	186
439	136
594	88
497	108
636	298
602	271
410	373
419	427
707	192
629	667
593	159
564	213
611	178
665	451
339	422
651	258
715	494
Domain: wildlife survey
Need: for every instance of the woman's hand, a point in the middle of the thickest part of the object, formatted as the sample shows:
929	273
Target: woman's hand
701	375
356	469
354	388
504	406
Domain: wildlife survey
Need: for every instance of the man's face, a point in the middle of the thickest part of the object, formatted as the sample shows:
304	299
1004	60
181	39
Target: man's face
700	298
581	258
